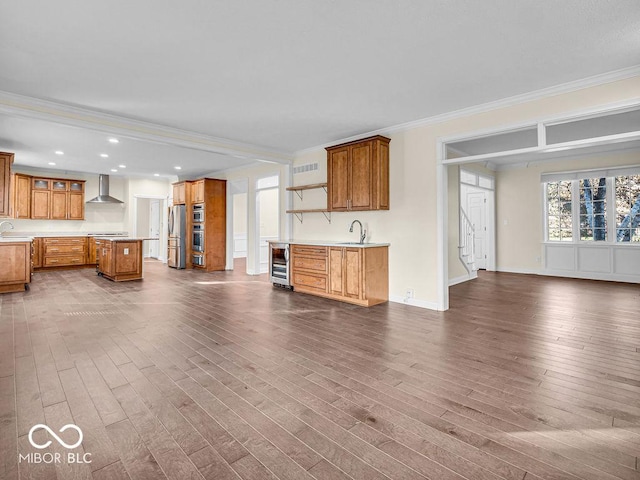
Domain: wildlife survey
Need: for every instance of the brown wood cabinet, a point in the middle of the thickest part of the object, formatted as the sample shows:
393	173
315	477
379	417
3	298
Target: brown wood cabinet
6	159
92	251
120	260
309	268
15	266
197	191
358	175
180	193
212	194
64	251
36	252
21	196
57	199
358	275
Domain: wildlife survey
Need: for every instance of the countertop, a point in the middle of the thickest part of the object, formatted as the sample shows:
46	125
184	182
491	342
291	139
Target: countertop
15	238
326	243
63	234
124	239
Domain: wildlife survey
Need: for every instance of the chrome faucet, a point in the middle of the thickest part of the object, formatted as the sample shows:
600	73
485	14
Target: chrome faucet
363	233
8	223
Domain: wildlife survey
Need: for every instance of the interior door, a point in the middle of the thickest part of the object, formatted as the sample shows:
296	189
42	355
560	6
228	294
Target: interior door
154	228
477	203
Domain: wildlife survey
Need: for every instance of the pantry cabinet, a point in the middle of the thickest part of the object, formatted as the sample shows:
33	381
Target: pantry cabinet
358	175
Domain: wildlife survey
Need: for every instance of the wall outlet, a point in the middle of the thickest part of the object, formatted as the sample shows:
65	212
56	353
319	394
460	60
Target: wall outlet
538	259
409	294
126	251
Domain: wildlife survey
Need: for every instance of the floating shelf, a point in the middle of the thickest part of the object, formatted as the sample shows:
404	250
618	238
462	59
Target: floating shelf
298	189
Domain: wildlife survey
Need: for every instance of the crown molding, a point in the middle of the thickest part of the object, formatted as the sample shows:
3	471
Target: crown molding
39	109
568	87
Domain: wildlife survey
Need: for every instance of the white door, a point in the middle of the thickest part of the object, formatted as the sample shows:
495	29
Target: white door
154	228
477	203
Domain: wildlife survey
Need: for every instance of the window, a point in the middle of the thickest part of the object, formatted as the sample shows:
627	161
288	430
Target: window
593	209
597	206
628	208
559	219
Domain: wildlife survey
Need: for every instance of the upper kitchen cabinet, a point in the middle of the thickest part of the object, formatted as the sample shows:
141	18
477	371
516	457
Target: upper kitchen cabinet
57	199
180	193
21	196
358	175
197	191
6	159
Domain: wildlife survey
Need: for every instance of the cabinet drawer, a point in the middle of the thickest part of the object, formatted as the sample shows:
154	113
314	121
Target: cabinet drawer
310	281
52	261
65	241
309	250
57	249
315	264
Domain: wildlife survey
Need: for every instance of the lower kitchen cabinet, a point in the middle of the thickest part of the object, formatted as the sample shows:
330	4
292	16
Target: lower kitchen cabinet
64	251
15	266
120	260
358	275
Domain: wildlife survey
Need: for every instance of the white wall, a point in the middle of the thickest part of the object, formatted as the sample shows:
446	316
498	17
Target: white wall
411	223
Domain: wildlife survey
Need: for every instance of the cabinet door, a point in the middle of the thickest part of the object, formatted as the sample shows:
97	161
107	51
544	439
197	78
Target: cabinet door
360	176
179	196
127	257
37	253
106	260
198	191
59	205
352	272
6	159
338	179
75	207
336	280
22	196
92	251
40	204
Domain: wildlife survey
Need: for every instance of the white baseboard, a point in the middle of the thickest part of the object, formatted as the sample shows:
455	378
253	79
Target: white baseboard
609	277
414	302
463	278
525	271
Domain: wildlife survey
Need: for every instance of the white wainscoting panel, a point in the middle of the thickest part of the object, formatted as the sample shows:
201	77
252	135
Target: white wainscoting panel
594	259
560	257
620	263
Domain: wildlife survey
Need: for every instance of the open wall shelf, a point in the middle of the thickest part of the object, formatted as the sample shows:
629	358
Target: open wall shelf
299	212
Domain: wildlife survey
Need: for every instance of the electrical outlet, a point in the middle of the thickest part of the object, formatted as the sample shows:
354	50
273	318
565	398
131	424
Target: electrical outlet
409	293
538	259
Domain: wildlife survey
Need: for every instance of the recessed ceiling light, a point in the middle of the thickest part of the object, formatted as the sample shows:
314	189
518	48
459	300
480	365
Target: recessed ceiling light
59	152
114	140
178	168
114	169
122	166
156	174
104	155
52	163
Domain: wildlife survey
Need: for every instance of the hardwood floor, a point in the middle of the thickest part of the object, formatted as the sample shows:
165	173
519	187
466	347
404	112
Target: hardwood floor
189	375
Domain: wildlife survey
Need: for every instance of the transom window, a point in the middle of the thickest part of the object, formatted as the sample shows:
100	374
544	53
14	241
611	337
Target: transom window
593	208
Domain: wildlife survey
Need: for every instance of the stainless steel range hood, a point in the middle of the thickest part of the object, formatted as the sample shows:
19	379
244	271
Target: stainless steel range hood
103	192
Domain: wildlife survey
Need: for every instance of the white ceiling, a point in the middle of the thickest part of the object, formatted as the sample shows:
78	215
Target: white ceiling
288	75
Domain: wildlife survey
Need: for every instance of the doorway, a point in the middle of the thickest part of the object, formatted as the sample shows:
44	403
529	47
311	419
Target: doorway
150	221
477	199
267	217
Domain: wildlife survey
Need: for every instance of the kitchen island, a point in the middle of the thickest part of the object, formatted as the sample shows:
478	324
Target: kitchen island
15	264
120	258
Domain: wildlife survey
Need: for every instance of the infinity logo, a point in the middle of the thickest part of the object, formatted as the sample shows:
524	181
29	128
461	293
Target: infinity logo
53	434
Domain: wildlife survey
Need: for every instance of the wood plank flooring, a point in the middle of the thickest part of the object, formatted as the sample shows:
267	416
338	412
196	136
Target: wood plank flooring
188	375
